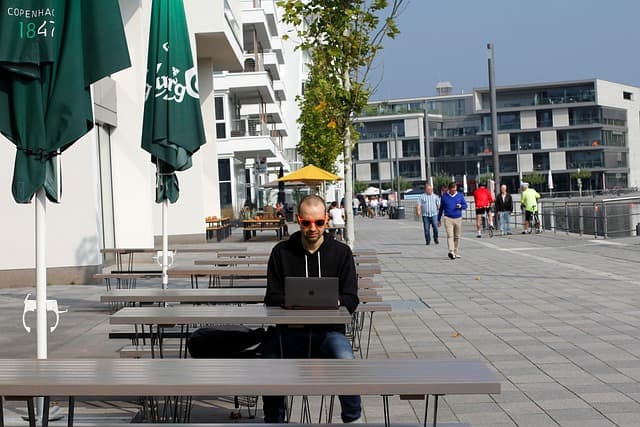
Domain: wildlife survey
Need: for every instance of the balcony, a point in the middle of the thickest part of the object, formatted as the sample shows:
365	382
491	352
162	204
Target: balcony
280	90
271	112
254	29
249	88
250	139
217	33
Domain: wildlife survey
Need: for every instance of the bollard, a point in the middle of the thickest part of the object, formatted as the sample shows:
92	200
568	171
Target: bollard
638	229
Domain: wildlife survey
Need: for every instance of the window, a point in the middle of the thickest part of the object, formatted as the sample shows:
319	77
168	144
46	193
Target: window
221	127
410	169
525	141
380	147
375	175
411	148
508	121
627	95
224	170
544	119
540	161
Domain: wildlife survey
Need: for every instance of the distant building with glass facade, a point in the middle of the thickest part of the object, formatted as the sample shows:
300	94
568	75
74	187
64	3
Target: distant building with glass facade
591	125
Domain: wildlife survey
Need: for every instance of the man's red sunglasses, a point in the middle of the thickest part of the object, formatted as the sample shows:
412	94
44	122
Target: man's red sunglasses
307	222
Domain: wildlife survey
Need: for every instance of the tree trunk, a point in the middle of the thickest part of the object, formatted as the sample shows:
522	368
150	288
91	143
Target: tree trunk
350	230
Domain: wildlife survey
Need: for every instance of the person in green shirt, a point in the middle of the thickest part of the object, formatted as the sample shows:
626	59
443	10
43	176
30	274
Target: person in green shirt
529	203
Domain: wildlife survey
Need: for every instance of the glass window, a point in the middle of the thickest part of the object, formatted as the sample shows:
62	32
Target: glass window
411	148
544	119
224	170
219	104
221	130
525	141
225	194
410	169
374	172
579	138
508	121
540	161
508	163
380	147
584	116
584	159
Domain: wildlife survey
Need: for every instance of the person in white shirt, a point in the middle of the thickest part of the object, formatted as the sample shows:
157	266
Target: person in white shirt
336	218
355	204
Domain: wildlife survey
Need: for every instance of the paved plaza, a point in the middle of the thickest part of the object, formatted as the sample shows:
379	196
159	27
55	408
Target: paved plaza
557	316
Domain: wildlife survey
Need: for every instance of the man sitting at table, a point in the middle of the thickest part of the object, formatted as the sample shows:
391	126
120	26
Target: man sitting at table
310	253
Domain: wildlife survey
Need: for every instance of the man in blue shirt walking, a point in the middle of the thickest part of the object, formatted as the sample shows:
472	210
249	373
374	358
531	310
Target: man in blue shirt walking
451	206
427	207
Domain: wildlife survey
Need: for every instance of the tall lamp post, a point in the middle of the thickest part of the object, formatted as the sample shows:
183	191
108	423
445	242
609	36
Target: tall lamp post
494	116
426	141
395	141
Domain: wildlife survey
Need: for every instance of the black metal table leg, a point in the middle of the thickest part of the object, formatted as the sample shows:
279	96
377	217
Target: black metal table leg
71	411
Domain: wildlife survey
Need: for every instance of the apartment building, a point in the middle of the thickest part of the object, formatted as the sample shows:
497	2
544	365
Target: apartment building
247	88
562	127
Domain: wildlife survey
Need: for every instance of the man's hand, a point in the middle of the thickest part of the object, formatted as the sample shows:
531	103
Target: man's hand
439	223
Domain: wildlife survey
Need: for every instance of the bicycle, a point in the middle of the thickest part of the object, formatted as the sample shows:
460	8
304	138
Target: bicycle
488	224
535	222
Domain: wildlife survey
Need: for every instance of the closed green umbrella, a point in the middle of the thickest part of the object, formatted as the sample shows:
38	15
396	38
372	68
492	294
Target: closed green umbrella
51	51
172	130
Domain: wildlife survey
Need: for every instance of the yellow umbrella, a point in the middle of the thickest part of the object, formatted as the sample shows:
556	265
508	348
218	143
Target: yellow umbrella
310	175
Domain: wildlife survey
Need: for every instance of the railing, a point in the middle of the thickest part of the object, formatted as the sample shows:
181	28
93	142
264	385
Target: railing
249	127
604	218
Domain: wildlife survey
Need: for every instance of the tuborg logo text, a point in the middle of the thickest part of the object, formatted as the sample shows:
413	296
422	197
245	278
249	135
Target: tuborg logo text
171	88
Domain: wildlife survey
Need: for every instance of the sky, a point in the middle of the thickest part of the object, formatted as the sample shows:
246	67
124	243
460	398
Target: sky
535	41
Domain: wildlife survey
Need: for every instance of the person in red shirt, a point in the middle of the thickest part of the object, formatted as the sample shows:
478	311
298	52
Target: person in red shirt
483	200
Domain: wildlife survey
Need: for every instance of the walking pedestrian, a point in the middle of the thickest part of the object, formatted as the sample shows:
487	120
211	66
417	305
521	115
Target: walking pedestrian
451	206
504	207
427	208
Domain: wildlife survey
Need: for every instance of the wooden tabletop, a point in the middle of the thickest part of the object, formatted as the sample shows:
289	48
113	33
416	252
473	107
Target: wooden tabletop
204	295
228	315
228	377
217	271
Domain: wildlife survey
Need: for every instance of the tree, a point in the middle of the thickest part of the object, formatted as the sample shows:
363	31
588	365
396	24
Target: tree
359	187
404	184
440	181
343	38
535	179
579	175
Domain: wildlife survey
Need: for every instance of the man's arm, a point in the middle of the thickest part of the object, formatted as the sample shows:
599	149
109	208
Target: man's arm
463	202
348	295
275	281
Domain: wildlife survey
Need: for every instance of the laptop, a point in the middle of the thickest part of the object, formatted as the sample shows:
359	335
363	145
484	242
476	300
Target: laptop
311	293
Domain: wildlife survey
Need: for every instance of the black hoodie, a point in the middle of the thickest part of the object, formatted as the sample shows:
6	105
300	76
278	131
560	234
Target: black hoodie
332	259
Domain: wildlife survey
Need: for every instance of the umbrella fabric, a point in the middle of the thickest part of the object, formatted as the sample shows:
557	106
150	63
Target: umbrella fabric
550	180
310	173
172	130
51	52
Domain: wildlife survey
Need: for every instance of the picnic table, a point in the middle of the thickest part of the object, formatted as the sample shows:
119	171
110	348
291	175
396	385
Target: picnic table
228	377
204	296
251	226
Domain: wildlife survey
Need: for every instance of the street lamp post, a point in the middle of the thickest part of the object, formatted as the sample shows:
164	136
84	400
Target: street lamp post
395	141
494	116
426	141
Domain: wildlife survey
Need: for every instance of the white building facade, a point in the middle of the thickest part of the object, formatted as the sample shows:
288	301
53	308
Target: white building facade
245	84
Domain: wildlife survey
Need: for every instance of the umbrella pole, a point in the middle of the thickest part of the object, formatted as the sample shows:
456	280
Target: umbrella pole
41	284
41	276
165	244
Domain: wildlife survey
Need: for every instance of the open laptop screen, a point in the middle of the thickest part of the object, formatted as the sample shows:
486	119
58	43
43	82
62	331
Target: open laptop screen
313	293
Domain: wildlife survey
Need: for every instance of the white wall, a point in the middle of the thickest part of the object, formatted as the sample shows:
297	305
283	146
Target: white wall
504	142
72	227
528	120
610	94
548	139
560	117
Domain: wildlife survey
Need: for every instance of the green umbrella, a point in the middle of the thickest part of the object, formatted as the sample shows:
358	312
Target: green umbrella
172	129
50	54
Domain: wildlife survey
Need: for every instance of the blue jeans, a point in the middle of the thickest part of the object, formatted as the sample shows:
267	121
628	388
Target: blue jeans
504	222
303	343
428	221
